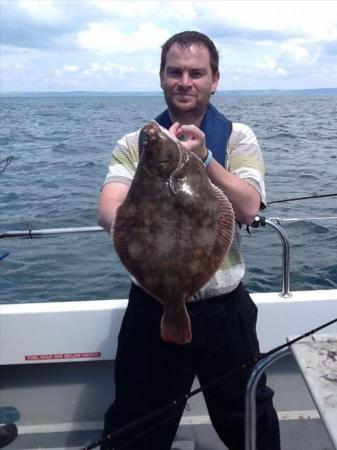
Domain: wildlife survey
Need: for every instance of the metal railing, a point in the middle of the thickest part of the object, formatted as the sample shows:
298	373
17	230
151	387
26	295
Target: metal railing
250	400
274	223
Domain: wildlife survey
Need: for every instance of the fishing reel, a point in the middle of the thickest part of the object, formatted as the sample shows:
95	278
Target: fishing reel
257	222
3	165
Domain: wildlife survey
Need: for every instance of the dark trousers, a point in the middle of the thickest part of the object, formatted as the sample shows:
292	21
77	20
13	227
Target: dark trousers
150	373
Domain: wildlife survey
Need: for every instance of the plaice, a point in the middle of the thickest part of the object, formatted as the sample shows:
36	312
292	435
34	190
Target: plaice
173	229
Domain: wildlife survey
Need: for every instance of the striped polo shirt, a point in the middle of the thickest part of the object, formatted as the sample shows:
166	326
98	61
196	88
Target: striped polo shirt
244	159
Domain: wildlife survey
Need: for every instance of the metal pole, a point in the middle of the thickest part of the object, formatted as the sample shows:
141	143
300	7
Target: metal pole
250	401
285	257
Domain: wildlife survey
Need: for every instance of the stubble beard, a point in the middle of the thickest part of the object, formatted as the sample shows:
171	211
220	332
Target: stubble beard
187	114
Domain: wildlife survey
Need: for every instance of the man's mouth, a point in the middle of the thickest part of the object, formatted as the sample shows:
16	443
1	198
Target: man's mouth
184	94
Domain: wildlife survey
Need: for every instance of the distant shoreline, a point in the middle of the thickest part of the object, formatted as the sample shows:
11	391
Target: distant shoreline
258	92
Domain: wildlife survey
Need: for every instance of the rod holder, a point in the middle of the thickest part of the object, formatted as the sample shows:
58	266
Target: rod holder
275	224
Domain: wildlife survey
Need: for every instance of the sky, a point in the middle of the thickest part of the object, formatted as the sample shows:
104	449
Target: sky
112	45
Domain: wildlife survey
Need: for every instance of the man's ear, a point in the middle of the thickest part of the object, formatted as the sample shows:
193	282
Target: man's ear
161	77
215	81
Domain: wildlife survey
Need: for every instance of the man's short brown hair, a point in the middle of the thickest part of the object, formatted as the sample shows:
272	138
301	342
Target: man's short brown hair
187	38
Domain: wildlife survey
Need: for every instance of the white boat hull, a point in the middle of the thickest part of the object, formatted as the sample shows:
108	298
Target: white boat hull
57	363
88	330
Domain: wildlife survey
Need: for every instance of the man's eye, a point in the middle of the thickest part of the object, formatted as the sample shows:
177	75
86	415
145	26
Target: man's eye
196	74
174	72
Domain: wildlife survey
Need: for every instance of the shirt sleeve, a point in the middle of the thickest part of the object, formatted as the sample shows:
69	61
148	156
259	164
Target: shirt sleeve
245	158
124	160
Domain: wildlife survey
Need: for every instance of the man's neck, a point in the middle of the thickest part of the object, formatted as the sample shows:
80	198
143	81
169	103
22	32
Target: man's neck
187	118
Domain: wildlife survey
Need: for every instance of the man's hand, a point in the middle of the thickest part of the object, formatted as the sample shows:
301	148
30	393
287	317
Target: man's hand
191	137
244	198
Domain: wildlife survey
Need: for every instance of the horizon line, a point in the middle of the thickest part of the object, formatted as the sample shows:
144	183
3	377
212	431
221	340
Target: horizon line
160	91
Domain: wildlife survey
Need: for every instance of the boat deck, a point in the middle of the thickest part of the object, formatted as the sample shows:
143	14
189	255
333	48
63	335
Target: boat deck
299	419
58	372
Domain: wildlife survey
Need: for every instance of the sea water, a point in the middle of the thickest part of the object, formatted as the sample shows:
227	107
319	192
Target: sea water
61	147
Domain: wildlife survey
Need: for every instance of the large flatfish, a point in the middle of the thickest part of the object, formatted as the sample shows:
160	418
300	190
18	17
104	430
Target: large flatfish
173	229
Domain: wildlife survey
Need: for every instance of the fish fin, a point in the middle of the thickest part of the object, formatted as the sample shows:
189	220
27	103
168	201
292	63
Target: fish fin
175	325
226	221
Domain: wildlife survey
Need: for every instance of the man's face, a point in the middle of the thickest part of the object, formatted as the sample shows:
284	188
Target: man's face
187	79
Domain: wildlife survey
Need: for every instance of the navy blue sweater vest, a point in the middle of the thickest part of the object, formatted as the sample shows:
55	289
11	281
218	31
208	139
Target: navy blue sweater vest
217	129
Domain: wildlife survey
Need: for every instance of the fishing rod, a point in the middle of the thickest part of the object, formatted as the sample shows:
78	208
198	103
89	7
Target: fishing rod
260	220
48	232
43	232
58	231
173	408
5	163
302	198
301	219
3	255
29	234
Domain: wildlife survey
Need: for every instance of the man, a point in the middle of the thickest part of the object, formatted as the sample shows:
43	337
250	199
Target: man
149	372
8	433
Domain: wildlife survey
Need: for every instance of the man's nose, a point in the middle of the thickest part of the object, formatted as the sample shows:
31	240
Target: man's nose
185	79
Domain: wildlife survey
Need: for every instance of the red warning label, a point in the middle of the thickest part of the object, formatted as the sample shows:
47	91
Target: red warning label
62	356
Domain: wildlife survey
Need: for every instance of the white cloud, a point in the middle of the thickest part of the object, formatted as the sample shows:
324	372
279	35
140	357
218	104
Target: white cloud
90	42
312	19
18	61
106	38
298	55
42	10
295	51
179	10
66	69
270	65
70	68
109	68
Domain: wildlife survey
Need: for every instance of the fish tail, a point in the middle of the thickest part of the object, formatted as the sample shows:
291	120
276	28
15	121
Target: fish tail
175	325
